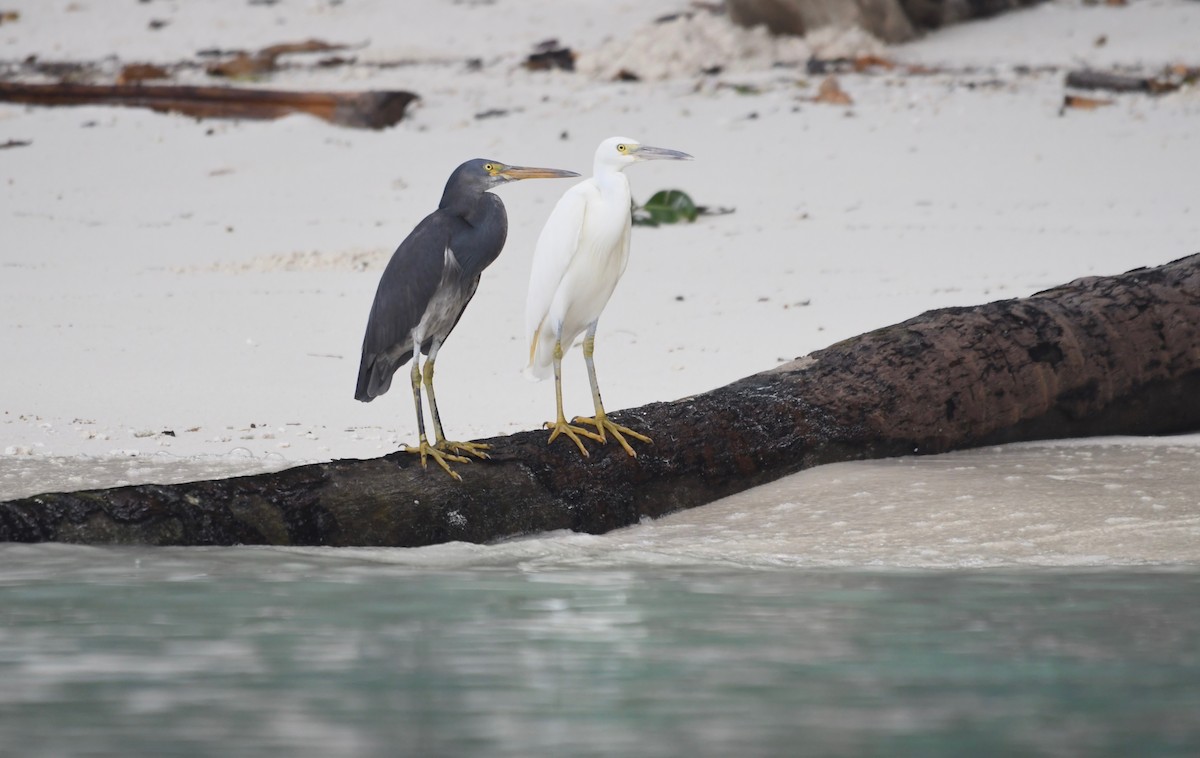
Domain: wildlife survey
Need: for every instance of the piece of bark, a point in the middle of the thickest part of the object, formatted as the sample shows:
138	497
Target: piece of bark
135	73
362	110
242	66
1106	80
831	93
550	55
246	65
1084	103
1098	356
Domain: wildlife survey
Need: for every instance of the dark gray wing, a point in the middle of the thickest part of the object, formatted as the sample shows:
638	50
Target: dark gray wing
405	289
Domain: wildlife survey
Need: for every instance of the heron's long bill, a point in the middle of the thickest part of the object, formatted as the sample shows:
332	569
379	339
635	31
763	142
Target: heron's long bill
647	153
523	172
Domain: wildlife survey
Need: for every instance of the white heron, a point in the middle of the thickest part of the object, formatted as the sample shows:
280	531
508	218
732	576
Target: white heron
580	256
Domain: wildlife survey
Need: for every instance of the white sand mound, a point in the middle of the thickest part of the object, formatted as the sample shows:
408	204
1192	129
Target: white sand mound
689	45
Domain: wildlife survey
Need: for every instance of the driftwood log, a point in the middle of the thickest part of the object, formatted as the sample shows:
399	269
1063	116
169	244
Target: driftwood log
360	110
1101	355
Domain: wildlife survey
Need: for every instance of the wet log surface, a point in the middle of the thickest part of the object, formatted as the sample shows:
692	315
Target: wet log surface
360	110
1097	356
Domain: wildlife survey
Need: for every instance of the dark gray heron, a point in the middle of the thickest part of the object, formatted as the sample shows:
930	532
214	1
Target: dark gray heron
426	287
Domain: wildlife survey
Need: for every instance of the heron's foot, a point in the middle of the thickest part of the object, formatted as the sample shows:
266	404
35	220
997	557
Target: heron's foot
426	451
573	432
604	426
465	448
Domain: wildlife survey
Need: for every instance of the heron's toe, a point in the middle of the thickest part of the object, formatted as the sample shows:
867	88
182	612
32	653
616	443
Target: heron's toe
426	451
469	448
605	426
573	433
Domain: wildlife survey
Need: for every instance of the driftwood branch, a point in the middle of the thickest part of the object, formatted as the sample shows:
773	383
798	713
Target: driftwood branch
361	110
1114	82
1102	355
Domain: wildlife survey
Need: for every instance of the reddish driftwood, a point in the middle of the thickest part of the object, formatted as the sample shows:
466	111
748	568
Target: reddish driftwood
1102	355
362	110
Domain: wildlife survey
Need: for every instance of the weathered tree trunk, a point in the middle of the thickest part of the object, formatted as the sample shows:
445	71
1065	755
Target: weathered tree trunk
890	20
884	19
1102	355
360	110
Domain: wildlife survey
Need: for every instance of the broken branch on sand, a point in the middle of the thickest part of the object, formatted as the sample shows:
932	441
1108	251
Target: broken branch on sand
1112	82
360	110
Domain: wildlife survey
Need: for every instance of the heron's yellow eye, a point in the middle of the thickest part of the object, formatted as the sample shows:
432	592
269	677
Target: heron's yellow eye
490	168
622	149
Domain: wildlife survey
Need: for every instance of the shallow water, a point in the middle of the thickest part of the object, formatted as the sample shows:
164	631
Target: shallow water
284	652
1024	600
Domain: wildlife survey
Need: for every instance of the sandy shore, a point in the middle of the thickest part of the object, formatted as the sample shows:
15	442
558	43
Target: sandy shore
180	289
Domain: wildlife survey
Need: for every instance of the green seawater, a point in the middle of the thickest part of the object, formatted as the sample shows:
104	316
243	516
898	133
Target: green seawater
243	651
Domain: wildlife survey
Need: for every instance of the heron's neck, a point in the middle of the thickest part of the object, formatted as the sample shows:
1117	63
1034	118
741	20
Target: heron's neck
469	207
610	178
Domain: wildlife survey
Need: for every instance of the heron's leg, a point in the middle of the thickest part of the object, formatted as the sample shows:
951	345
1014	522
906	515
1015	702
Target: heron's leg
423	448
439	440
560	425
601	421
414	377
438	437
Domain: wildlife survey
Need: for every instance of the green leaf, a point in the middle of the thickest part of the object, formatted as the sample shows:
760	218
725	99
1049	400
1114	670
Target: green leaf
666	207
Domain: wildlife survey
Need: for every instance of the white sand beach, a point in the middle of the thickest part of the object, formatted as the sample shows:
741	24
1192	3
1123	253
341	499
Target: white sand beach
185	298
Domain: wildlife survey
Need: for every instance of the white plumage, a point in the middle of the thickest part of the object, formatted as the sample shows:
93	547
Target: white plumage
579	258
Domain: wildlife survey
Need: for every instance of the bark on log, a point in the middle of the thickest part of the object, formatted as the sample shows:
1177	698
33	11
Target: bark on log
1101	355
360	110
